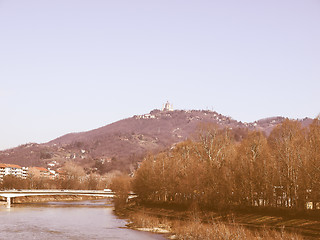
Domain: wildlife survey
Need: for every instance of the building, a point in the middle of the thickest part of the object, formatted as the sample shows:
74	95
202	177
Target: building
24	172
14	170
39	172
167	107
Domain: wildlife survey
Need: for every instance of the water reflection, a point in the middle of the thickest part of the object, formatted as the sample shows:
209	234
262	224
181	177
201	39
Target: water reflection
66	220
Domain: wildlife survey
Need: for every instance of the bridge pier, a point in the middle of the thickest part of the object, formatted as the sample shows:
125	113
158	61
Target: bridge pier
8	202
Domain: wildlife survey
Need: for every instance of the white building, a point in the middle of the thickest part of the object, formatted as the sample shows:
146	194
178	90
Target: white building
167	107
14	170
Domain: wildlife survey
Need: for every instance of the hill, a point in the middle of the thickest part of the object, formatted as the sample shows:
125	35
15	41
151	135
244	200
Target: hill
121	145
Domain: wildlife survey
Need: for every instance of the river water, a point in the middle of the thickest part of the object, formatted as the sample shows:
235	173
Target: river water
66	220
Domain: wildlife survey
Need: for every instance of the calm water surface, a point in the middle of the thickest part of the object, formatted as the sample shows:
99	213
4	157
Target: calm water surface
66	220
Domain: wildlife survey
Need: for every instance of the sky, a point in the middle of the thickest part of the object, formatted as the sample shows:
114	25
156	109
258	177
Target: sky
76	65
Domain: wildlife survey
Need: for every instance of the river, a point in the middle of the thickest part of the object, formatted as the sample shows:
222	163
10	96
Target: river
92	219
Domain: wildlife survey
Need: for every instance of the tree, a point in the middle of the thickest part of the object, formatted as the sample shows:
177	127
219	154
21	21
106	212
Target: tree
148	182
216	148
92	181
121	185
287	144
13	182
74	176
254	171
312	166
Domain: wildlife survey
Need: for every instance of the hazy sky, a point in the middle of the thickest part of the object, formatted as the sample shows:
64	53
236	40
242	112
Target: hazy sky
75	65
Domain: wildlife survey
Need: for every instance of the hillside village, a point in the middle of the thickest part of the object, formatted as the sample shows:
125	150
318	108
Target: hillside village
24	172
123	144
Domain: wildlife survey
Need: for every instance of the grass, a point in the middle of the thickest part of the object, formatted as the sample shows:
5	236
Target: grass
142	221
219	230
195	229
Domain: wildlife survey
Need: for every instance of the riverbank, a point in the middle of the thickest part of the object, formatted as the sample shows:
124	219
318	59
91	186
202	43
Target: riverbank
41	199
196	224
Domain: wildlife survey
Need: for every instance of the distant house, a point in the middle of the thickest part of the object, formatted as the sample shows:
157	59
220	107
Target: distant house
39	172
52	164
60	174
14	170
145	116
54	173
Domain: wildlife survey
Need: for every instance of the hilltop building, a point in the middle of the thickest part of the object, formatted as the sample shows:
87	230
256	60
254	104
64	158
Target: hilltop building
167	107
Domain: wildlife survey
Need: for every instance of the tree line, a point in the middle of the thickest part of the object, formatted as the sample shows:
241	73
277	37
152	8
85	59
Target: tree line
216	171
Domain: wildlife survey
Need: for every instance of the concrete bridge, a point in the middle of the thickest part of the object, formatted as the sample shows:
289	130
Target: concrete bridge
9	194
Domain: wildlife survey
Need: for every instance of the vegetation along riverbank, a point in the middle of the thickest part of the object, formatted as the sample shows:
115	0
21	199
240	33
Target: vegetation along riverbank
260	185
195	224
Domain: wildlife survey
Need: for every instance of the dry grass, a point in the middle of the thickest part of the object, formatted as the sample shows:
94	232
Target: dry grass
144	222
217	230
196	230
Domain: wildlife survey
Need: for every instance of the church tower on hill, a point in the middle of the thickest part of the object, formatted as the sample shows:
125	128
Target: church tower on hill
167	107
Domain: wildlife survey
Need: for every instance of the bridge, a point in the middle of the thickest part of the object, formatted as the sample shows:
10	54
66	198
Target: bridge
9	194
